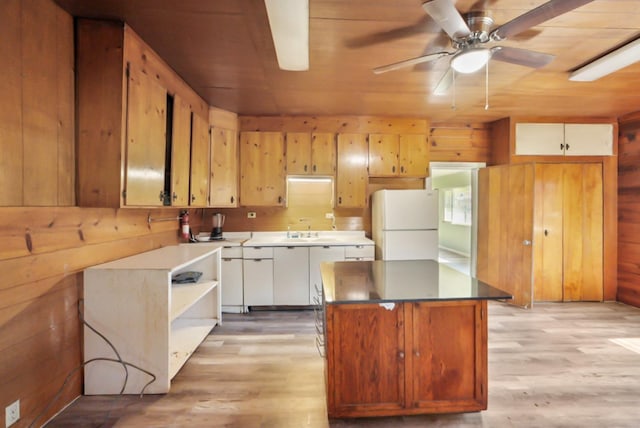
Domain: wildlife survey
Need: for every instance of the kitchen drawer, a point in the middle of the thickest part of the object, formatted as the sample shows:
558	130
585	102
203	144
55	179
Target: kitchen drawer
257	252
359	251
231	252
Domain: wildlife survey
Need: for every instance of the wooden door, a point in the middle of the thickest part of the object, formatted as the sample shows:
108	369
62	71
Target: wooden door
323	153
548	234
583	241
262	169
224	168
383	155
414	156
298	153
180	152
505	229
146	141
365	359
199	186
448	355
352	177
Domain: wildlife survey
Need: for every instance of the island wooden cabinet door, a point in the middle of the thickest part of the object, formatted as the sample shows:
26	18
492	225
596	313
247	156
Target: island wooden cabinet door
448	356
365	346
224	168
262	169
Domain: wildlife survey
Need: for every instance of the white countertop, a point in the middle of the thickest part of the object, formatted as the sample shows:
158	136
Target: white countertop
308	239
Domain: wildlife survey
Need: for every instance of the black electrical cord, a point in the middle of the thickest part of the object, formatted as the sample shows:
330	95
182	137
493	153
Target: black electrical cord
119	360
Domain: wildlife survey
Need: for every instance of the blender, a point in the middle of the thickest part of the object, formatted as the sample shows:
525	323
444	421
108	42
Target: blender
218	222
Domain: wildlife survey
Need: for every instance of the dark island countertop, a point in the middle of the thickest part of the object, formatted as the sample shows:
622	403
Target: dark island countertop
404	280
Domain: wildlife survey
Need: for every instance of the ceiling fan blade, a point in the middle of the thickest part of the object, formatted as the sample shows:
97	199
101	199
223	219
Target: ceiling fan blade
445	83
521	56
536	16
447	16
408	62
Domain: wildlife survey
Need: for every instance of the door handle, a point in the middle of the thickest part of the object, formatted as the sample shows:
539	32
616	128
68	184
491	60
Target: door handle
526	242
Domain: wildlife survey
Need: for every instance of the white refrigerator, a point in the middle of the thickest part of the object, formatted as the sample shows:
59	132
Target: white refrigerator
405	224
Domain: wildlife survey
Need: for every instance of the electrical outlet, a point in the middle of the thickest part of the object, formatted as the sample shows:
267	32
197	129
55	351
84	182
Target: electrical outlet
12	413
251	214
328	215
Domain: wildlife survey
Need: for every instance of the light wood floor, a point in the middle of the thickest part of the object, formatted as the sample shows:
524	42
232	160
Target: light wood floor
552	366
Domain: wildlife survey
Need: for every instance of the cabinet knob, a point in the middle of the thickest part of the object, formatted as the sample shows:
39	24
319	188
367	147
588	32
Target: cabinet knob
339	199
193	198
175	196
232	199
393	168
162	196
305	168
526	242
402	169
417	353
546	232
314	168
401	355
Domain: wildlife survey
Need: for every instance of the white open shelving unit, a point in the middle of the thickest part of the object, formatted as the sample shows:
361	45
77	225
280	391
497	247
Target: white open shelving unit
153	323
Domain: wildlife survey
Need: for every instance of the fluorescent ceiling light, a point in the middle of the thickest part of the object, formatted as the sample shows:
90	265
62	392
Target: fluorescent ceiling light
470	60
611	62
289	22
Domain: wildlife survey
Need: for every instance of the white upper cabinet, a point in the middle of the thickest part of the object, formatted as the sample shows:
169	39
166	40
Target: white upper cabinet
588	139
564	139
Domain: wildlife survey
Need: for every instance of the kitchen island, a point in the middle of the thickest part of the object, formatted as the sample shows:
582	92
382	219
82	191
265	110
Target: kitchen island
404	337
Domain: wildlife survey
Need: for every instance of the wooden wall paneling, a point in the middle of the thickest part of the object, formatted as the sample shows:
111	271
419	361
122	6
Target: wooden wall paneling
500	142
11	161
39	89
334	124
610	225
66	110
223	119
101	132
453	143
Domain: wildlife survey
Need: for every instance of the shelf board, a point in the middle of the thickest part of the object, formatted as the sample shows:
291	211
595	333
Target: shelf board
183	296
186	335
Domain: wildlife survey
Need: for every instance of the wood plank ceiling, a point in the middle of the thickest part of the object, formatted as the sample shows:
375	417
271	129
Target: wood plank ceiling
223	49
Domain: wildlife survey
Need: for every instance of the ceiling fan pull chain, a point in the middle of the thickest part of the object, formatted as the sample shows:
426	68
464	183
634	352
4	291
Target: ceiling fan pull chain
453	98
486	86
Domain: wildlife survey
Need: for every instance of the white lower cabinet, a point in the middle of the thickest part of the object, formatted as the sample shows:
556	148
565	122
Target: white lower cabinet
232	288
257	267
291	276
318	255
359	252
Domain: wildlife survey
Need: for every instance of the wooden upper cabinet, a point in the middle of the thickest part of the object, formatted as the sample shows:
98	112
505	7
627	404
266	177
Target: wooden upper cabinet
311	153
392	155
180	152
224	168
351	175
262	169
128	99
199	183
146	140
383	155
414	155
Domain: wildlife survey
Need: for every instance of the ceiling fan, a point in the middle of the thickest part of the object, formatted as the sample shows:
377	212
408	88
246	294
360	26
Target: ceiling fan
469	38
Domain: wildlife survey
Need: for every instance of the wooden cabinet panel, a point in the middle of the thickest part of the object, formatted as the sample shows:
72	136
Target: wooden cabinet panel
406	358
414	155
298	153
448	355
383	155
146	124
180	152
262	169
311	153
367	358
352	178
199	183
323	153
224	168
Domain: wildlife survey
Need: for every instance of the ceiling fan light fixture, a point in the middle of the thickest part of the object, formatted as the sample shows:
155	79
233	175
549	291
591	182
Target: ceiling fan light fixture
470	60
289	22
612	62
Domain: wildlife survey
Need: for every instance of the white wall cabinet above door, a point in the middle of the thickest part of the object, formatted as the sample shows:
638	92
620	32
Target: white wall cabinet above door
588	139
564	139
